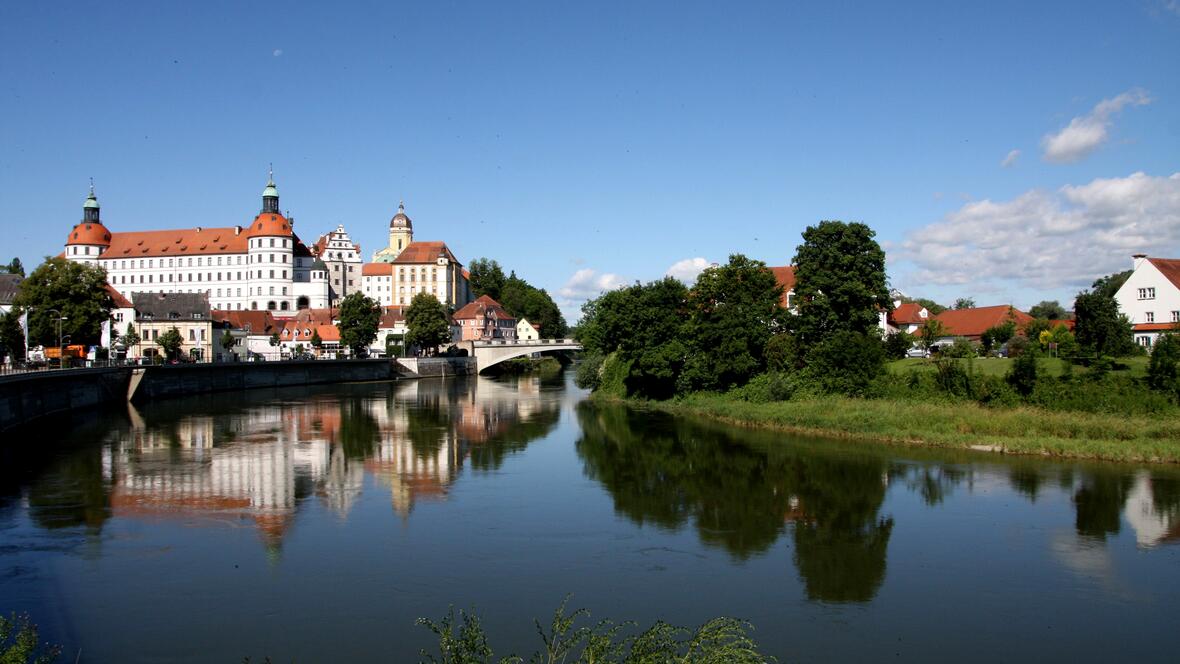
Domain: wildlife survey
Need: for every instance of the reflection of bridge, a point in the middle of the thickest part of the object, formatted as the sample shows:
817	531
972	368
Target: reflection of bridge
495	351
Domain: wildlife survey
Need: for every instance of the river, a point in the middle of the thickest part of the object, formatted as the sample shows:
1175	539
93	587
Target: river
316	524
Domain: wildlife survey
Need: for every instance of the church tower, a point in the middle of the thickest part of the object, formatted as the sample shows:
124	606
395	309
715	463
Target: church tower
401	230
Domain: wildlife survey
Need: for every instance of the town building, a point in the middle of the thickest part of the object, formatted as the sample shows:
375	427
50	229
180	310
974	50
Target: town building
526	331
407	267
483	320
972	323
343	260
262	266
9	286
252	332
189	313
1151	297
785	276
908	317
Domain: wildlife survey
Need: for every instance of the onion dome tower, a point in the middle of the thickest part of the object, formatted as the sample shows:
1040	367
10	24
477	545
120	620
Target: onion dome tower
88	239
401	229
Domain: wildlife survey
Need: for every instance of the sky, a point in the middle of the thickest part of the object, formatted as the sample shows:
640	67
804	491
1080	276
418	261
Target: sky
1006	151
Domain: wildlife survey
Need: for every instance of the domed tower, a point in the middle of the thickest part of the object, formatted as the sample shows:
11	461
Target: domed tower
89	239
401	230
270	246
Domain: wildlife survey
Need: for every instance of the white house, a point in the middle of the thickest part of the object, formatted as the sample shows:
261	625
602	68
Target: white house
526	331
1151	297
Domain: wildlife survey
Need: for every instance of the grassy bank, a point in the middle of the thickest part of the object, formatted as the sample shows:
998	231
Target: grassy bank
999	366
1020	430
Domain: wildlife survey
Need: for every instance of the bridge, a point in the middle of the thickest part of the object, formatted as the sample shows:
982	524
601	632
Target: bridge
492	352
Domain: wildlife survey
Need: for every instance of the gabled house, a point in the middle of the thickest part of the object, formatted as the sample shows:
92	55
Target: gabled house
526	331
1151	297
972	323
483	320
908	317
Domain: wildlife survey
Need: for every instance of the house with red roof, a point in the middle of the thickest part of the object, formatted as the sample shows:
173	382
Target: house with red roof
972	323
484	320
1151	297
908	317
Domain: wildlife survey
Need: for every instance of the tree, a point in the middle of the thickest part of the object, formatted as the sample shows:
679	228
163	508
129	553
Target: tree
1163	372
274	340
171	342
523	300
896	345
487	278
77	290
1109	285
14	267
840	281
228	341
359	317
1023	374
316	341
129	339
1049	310
12	338
733	310
965	303
427	323
1098	325
930	305
932	330
997	336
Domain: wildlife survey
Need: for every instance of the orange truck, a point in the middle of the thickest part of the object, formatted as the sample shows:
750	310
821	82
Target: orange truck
76	351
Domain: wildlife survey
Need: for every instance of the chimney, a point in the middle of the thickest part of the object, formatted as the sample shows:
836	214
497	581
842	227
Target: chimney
198	229
237	230
1138	260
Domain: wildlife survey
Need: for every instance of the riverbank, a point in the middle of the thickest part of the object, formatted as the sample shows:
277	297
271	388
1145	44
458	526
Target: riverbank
1019	430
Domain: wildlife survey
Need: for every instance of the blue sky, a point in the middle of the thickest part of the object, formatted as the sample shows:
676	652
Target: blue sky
596	144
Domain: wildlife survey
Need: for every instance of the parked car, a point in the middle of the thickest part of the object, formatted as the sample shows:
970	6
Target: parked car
917	351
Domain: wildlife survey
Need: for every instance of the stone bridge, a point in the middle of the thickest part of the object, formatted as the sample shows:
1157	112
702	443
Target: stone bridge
490	353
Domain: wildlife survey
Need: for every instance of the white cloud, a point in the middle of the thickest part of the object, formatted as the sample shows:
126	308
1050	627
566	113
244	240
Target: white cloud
1044	240
687	269
278	52
1010	160
584	285
1173	6
1085	133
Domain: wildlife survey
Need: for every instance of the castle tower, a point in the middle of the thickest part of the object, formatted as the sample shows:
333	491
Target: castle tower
89	238
401	230
270	249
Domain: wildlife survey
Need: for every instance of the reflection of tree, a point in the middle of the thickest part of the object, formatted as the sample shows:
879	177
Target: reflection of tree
1165	495
1026	479
507	440
670	471
72	492
1099	503
359	432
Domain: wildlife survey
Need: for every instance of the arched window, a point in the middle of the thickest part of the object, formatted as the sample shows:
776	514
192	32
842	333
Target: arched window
283	305
302	303
270	305
254	306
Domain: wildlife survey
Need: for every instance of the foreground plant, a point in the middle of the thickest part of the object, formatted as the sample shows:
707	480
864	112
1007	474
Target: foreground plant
18	642
716	641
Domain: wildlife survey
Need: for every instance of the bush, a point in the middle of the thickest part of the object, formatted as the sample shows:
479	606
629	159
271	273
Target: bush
1023	374
960	348
770	386
782	353
845	363
896	345
613	376
1163	375
589	372
1017	346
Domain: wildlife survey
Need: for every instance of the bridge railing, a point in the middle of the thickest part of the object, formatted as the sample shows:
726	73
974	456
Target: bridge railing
526	342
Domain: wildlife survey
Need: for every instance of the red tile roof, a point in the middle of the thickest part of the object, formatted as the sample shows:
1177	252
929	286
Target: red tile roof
974	322
484	307
89	233
1067	322
785	276
908	313
391	316
293	330
1170	267
425	252
254	322
183	242
269	223
376	269
1154	327
117	298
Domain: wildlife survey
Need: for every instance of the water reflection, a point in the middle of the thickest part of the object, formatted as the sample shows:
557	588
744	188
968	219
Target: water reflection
258	463
743	490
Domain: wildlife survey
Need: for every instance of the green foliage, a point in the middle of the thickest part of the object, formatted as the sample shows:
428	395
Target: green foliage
18	642
773	386
274	340
896	345
77	290
782	352
427	323
14	267
359	317
1109	285
840	281
721	640
1035	327
170	342
12	339
932	330
1163	374
316	341
395	345
931	306
732	312
1099	327
1023	375
130	337
487	278
961	347
1048	310
588	374
1018	346
965	303
227	340
1066	345
613	377
845	363
998	335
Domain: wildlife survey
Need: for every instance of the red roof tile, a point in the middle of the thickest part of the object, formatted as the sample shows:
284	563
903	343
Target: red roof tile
908	313
483	307
1170	267
425	252
182	242
117	298
254	322
1154	327
974	322
785	276
377	269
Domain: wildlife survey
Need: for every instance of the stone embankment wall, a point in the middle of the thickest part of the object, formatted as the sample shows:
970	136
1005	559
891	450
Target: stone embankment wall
431	367
27	397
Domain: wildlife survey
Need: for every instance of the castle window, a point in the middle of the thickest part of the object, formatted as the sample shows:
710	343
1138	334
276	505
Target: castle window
272	243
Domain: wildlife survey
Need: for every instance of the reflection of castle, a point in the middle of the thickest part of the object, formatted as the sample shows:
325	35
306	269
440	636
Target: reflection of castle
259	463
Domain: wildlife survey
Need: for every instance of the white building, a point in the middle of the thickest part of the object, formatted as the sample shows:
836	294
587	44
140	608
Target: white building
343	259
263	266
405	268
526	331
1151	297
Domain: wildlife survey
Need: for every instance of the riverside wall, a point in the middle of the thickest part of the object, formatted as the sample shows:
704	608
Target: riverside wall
433	367
30	396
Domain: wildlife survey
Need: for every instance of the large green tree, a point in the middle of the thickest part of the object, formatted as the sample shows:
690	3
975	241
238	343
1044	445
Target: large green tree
14	267
732	312
171	342
359	317
12	338
487	278
1099	326
1109	285
427	323
840	281
1163	372
1048	309
77	290
965	303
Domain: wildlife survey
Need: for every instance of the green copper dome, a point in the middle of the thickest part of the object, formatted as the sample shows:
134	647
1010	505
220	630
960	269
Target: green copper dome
91	201
270	190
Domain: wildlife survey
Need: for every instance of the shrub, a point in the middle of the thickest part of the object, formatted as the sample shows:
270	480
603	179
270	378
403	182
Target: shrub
1017	346
960	348
613	376
770	386
896	345
589	372
1023	374
782	352
845	363
1163	375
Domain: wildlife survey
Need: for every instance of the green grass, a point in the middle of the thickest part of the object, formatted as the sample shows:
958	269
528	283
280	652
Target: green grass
1020	430
998	366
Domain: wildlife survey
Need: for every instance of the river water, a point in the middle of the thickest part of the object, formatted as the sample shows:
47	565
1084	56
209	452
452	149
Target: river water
316	524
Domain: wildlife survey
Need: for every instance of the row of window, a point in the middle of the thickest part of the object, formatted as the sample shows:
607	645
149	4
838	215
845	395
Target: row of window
206	276
201	261
1149	317
257	243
